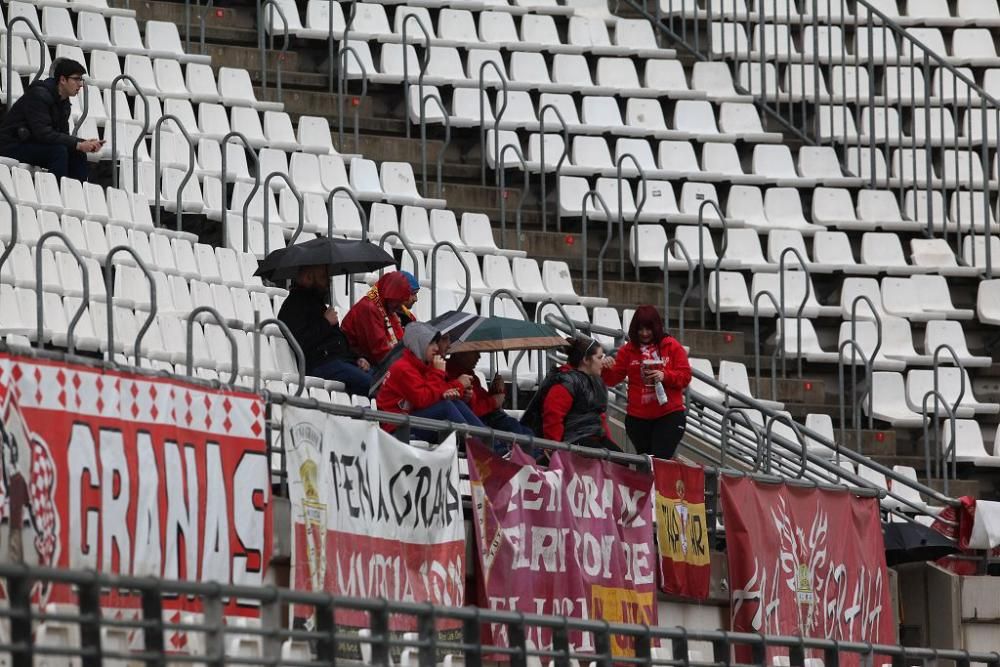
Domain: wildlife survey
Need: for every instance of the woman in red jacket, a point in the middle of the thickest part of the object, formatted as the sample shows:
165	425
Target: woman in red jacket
657	369
372	325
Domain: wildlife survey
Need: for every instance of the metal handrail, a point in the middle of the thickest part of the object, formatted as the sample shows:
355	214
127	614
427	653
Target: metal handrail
672	243
941	461
874	353
496	294
407	248
562	158
424	61
108	288
727	418
114	130
779	350
202	20
362	214
267	210
12	207
768	437
221	322
869	364
621	213
39	291
550	320
342	90
423	140
300	357
272	5
10	52
496	117
344	41
85	104
465	266
222	184
702	226
961	371
502	192
594	196
158	166
802	305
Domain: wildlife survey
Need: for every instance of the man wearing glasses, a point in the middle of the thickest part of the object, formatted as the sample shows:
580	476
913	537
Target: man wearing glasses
36	128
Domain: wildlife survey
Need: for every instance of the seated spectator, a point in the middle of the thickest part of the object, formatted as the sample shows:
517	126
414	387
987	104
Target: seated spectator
36	127
372	324
487	405
657	369
406	310
416	384
315	327
572	402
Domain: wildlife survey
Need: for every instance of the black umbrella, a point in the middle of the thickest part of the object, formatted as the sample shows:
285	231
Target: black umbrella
911	542
341	257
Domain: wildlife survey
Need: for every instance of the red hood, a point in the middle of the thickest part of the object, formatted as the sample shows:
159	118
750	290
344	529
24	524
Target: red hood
394	286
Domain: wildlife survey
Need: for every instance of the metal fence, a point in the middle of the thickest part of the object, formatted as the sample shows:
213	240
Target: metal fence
86	631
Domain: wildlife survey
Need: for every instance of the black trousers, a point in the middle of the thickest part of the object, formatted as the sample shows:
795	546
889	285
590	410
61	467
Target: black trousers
657	437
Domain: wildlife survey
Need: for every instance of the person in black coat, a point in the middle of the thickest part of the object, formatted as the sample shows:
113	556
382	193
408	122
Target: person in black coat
36	128
316	328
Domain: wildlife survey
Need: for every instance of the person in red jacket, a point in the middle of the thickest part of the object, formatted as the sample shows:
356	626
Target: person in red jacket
416	384
657	369
487	405
372	325
572	401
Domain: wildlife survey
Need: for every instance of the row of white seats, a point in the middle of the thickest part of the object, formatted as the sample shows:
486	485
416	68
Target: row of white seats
903	84
900	401
881	252
983	13
970	46
896	352
494	27
919	297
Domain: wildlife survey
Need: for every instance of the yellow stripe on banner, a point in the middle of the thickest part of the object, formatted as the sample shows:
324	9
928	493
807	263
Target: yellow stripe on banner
681	531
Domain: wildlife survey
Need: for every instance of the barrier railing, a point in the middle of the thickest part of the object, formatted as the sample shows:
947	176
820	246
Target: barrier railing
667	247
42	49
108	287
860	101
320	644
223	145
423	141
424	61
40	288
115	177
270	6
502	192
342	91
542	131
158	167
467	293
497	116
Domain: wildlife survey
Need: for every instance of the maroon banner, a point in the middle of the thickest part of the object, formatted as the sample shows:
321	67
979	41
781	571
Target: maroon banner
682	529
575	539
134	475
806	562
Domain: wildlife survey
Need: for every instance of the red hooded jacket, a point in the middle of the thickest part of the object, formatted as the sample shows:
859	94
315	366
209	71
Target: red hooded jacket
412	384
642	401
372	331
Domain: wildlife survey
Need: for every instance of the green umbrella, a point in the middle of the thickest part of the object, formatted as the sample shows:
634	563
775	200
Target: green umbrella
470	333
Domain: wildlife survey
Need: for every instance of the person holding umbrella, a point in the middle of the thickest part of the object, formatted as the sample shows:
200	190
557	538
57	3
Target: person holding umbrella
416	384
485	404
372	324
315	327
657	369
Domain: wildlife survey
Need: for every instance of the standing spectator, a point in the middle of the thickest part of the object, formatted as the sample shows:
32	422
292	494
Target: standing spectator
36	128
416	384
315	327
372	324
406	310
657	369
487	405
572	402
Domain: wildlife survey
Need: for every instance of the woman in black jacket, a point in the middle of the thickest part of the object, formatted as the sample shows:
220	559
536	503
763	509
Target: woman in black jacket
316	328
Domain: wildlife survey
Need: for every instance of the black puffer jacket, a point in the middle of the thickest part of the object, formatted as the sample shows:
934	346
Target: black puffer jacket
303	311
39	117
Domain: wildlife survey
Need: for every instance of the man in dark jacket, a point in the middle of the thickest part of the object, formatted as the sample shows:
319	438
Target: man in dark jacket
316	328
36	128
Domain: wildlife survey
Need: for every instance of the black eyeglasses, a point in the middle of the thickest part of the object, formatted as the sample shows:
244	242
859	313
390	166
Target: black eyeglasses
78	79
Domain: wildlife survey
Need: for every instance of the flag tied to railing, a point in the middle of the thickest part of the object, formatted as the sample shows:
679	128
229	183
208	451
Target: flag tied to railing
682	529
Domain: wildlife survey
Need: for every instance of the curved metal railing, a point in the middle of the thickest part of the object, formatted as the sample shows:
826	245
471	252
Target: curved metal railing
497	116
221	322
108	287
42	50
423	140
271	5
114	130
542	131
40	291
434	268
223	146
502	193
158	167
424	61
342	91
300	358
667	247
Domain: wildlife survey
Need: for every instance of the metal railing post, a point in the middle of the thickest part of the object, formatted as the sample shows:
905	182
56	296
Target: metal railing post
10	53
114	130
594	196
221	322
668	246
342	90
496	117
158	166
423	140
465	267
271	5
39	290
502	192
423	61
621	213
300	358
802	305
223	145
562	158
300	223
109	290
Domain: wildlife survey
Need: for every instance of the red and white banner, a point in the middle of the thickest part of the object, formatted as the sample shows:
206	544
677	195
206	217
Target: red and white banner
574	539
682	529
806	562
133	475
373	517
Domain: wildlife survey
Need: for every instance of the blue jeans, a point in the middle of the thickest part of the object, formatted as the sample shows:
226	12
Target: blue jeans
444	410
357	381
58	159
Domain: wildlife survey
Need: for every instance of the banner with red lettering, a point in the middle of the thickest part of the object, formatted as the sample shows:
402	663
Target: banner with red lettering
134	475
806	562
575	538
373	517
682	529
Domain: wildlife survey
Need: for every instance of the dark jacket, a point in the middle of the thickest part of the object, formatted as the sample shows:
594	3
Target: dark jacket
40	117
569	406
304	313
